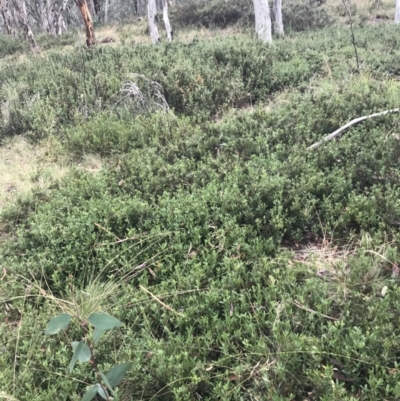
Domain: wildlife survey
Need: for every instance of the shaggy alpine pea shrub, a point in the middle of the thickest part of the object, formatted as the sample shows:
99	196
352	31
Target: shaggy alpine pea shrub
208	238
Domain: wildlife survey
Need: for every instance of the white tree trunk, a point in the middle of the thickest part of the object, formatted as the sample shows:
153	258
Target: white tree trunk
153	22
106	12
263	20
23	19
397	12
278	18
166	20
59	18
8	21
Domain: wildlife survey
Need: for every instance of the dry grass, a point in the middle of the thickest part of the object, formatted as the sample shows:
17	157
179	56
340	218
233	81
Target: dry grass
24	167
335	264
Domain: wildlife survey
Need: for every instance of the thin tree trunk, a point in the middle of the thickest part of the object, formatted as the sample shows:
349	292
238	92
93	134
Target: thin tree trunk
43	16
263	20
97	9
23	18
153	21
278	18
397	13
8	22
87	19
166	20
106	12
59	18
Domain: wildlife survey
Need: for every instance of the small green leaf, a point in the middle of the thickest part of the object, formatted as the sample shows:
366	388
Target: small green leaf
84	354
97	334
91	393
75	356
58	323
103	321
117	373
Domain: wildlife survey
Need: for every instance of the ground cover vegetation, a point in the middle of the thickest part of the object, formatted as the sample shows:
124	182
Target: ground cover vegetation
241	265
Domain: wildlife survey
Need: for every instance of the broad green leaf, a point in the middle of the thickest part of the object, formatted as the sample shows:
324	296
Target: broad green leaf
117	373
58	323
102	392
103	321
75	355
91	393
106	381
97	334
84	354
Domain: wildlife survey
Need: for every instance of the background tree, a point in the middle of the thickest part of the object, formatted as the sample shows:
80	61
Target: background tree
166	20
153	20
397	12
278	26
20	8
87	19
263	20
8	21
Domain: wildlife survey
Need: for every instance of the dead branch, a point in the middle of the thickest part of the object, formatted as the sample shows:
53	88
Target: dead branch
348	125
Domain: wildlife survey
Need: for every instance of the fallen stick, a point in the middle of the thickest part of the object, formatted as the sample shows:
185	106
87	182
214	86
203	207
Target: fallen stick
299	305
348	125
159	301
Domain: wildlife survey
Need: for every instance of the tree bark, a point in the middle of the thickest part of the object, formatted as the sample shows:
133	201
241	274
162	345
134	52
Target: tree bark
87	19
97	9
59	18
263	20
153	21
397	13
106	12
5	12
166	20
23	18
278	18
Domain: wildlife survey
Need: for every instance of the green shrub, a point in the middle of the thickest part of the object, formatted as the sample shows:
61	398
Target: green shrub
200	212
212	14
305	16
47	41
11	45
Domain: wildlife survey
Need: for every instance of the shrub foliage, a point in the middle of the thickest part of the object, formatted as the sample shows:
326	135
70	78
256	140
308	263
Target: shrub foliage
193	215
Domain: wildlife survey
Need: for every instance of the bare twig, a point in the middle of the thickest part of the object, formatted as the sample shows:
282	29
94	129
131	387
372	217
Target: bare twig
348	125
347	6
300	306
151	100
159	301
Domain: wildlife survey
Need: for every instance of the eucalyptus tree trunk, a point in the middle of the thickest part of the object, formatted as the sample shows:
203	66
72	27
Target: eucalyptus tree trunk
8	21
106	12
59	18
397	13
97	9
44	22
153	21
278	18
263	20
87	19
166	20
23	19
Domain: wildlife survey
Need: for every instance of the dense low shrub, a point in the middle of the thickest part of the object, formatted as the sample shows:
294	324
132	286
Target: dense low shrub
306	15
297	15
199	212
11	45
212	14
